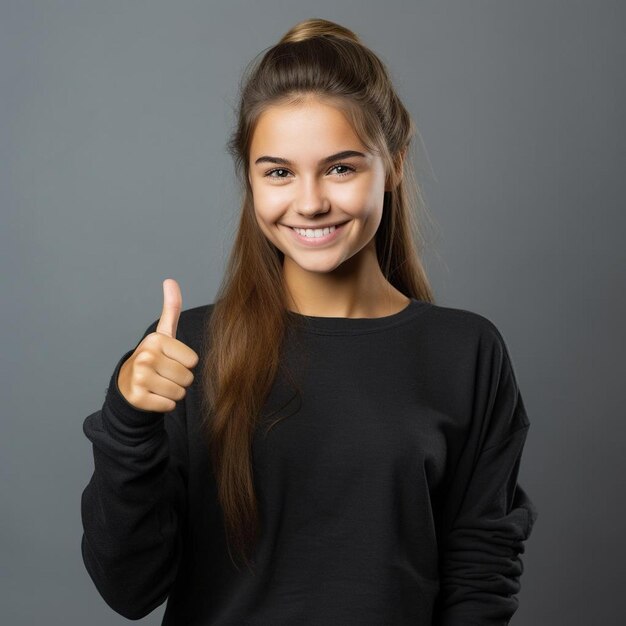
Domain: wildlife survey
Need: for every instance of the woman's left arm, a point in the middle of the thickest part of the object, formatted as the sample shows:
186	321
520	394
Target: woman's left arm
488	515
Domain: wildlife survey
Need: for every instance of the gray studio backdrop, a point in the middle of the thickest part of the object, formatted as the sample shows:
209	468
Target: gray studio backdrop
113	176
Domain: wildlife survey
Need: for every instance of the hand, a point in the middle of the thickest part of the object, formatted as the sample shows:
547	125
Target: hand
155	376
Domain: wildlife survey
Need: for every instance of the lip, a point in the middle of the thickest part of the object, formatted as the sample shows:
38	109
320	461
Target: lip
316	242
313	227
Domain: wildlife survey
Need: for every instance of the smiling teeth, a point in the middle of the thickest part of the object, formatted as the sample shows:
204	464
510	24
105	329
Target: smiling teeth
318	232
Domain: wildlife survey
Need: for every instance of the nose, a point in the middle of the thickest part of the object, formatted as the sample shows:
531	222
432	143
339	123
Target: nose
312	200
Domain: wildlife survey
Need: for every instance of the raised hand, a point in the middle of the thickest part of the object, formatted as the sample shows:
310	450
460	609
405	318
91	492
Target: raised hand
155	376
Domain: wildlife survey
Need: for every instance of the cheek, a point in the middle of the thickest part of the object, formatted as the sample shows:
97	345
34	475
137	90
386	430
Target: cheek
263	209
363	200
268	204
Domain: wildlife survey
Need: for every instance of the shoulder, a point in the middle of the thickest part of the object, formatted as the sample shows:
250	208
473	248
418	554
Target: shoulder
477	345
463	326
473	347
192	318
192	325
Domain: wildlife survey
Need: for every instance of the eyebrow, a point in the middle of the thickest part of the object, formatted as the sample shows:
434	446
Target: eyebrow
344	154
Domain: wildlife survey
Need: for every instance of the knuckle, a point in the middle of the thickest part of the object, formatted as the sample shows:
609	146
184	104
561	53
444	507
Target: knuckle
145	357
152	338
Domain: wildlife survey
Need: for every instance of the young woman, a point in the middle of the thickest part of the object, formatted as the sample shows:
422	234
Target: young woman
323	422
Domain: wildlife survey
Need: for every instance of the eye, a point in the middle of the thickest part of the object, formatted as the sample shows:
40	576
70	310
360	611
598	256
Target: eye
350	169
282	169
269	174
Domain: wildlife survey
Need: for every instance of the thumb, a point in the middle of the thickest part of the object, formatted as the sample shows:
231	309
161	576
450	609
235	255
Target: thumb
172	304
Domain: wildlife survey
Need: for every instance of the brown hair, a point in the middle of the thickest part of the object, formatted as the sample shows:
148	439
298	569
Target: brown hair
245	331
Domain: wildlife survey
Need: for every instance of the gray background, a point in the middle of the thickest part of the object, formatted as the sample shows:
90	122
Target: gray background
113	176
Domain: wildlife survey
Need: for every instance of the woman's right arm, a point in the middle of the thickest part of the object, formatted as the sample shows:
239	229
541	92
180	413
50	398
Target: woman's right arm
133	507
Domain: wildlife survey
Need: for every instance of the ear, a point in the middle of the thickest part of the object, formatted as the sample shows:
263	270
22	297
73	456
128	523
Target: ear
399	168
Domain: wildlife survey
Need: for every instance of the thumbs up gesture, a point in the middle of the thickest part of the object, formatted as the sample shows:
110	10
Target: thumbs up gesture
155	376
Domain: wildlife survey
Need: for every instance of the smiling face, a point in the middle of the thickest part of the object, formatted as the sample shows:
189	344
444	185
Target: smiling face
309	169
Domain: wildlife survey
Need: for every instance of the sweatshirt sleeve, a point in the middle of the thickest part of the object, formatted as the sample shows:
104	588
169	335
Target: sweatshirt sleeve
133	506
488	515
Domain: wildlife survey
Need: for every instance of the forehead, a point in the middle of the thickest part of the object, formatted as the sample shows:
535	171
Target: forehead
303	127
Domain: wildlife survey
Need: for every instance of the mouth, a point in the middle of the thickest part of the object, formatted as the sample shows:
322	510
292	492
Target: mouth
316	236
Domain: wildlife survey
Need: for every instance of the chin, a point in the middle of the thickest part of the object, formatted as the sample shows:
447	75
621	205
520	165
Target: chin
317	266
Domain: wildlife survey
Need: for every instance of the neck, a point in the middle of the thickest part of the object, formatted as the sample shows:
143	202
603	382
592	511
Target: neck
357	288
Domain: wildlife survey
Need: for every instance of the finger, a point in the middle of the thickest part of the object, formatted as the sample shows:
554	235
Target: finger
173	370
172	305
170	386
161	375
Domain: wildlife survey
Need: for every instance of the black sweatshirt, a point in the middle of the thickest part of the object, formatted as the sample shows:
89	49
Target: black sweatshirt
388	495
